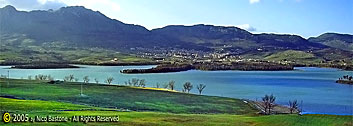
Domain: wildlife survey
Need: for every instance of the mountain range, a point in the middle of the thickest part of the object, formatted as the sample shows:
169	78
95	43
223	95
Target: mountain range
76	26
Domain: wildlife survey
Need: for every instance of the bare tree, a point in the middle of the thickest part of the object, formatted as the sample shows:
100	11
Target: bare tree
157	85
71	77
128	82
3	76
96	80
50	78
293	105
142	83
187	87
200	87
109	80
268	103
171	85
85	79
42	77
134	82
66	78
165	86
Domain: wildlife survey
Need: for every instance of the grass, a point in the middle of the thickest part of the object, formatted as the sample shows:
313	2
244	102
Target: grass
292	55
113	96
18	47
44	108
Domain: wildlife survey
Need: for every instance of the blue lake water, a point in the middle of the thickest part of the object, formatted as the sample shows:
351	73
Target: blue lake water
315	87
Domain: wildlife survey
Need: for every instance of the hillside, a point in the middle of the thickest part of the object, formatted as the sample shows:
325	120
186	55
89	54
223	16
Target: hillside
72	34
293	56
233	37
339	41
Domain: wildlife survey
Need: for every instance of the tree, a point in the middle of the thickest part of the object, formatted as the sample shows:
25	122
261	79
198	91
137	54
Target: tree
29	77
85	79
128	82
71	77
157	85
171	85
134	82
142	83
109	80
187	87
293	105
165	86
66	78
96	80
50	78
200	87
268	103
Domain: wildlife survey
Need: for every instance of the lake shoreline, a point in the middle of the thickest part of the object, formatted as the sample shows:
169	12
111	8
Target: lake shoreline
198	66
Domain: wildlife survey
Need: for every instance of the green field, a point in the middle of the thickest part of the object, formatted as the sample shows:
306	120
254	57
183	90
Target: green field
145	106
294	56
114	96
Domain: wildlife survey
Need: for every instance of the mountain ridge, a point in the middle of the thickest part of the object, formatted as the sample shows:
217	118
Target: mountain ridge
77	26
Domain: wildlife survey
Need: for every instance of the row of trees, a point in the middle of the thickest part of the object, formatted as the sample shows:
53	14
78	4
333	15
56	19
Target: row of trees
41	77
136	82
268	103
187	86
346	77
86	79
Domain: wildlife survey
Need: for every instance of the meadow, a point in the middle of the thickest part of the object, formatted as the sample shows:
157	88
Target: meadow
140	106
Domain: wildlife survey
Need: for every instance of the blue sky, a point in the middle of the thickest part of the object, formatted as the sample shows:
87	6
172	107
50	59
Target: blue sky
302	17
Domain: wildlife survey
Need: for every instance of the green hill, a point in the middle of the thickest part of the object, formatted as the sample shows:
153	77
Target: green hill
339	41
294	56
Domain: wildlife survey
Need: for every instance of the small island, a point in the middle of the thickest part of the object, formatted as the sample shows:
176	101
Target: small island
345	80
243	66
161	69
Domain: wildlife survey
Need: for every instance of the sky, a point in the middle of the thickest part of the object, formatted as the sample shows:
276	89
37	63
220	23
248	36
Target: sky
301	17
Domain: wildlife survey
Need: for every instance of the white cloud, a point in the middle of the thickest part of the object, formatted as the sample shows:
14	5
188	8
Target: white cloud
246	27
254	1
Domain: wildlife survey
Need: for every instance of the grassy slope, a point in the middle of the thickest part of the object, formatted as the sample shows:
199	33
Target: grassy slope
44	108
112	96
21	48
339	44
292	55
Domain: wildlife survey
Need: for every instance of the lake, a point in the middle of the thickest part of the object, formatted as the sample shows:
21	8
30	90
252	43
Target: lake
315	87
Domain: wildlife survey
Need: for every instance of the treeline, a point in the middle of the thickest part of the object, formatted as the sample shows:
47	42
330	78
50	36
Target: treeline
134	82
346	79
268	103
